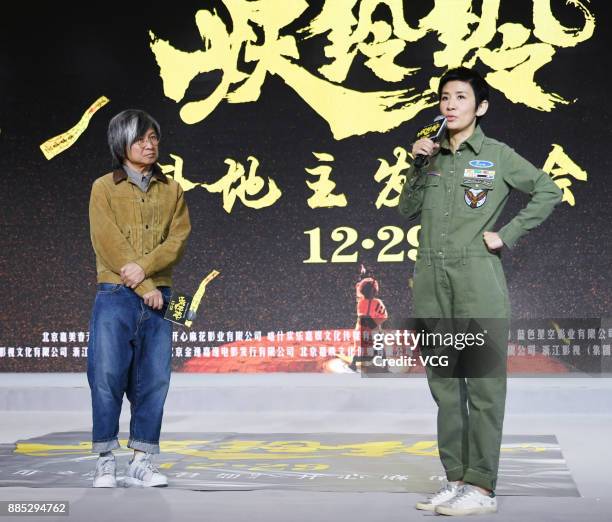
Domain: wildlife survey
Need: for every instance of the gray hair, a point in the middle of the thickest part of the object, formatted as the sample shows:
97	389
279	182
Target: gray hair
124	129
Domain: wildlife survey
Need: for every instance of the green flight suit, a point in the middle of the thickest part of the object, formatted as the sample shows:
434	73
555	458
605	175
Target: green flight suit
459	196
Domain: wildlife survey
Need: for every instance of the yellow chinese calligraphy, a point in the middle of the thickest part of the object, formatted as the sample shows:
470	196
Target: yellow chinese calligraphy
324	186
549	30
395	179
253	35
515	64
348	35
233	450
559	164
348	112
248	186
177	173
179	308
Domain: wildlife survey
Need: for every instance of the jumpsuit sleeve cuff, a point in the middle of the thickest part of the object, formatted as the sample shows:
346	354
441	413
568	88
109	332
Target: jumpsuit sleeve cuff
510	234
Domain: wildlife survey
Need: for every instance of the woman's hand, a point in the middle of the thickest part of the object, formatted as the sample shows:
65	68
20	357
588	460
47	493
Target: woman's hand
424	146
493	241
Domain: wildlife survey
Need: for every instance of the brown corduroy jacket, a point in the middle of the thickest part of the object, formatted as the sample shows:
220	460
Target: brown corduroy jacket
128	225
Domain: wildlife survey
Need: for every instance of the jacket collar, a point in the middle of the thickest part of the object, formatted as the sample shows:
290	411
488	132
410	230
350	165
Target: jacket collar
475	141
119	174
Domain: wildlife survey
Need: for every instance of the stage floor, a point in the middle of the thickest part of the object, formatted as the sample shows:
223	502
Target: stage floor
576	411
174	505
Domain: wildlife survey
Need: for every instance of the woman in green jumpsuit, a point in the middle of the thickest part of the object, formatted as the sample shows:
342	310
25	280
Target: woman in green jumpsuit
459	194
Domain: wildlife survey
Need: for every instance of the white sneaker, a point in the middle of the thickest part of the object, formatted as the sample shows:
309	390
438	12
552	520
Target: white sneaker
448	491
468	501
141	472
105	473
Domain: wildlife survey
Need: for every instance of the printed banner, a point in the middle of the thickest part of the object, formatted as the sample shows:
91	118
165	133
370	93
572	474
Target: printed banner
529	464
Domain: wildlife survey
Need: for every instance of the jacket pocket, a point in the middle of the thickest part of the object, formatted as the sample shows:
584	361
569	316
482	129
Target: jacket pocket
432	192
476	193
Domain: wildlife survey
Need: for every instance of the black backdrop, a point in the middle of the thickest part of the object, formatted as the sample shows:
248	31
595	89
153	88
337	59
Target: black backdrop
56	60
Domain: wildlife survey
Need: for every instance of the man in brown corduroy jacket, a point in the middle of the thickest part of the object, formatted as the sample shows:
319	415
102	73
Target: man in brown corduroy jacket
139	227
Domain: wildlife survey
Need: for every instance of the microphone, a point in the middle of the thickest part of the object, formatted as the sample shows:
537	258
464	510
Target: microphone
434	132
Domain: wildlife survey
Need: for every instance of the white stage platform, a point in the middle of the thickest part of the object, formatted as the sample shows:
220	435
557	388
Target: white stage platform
291	392
578	411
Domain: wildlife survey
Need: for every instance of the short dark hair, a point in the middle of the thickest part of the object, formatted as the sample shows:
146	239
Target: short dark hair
124	129
463	74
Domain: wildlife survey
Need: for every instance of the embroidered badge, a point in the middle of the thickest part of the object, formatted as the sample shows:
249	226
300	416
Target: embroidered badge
475	198
481	164
479	174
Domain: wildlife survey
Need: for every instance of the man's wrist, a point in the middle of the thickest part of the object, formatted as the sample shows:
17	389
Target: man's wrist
142	263
145	287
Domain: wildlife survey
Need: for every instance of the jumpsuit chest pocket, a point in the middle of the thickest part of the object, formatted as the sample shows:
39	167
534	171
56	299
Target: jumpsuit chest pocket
476	193
431	192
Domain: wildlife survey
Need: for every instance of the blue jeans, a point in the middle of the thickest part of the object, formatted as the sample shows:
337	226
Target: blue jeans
130	351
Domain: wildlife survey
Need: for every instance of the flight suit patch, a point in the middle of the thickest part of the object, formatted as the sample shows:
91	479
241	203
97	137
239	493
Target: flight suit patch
475	198
478	178
479	174
481	164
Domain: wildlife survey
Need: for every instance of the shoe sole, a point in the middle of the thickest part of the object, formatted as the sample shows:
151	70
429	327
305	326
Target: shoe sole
428	506
458	513
425	507
130	482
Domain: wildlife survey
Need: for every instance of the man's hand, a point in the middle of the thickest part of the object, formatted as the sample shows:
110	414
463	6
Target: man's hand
154	299
132	275
493	241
